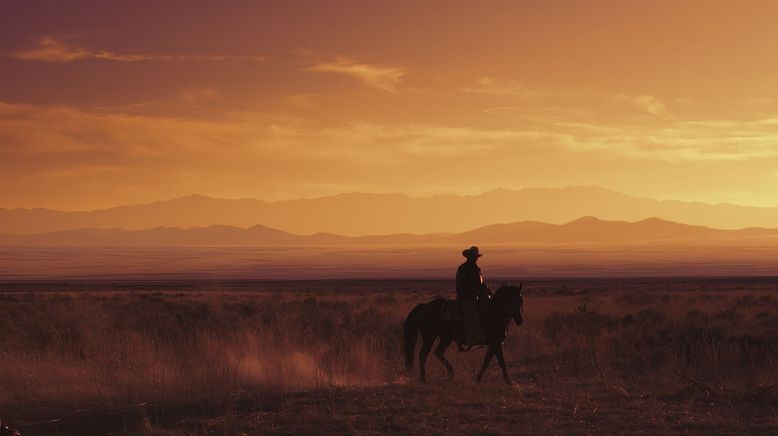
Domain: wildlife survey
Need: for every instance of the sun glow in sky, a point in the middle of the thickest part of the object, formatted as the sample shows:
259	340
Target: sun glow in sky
105	103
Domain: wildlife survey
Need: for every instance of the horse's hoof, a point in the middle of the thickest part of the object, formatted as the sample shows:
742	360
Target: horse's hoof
508	382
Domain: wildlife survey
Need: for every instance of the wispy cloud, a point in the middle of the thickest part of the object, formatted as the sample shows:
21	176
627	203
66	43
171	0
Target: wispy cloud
759	101
51	49
382	77
645	103
77	150
29	129
678	141
199	97
492	86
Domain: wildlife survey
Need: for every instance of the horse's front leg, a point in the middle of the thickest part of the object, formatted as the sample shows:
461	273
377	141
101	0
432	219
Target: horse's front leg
487	359
501	361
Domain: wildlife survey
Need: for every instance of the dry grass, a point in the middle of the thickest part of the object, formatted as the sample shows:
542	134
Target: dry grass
92	350
323	359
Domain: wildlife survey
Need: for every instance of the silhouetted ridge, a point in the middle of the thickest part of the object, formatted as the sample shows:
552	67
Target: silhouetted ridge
357	214
584	229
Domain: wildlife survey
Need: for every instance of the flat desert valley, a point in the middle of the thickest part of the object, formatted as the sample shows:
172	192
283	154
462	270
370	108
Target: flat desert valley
630	259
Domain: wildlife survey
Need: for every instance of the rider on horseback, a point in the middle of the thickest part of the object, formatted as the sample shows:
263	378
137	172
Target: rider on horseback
471	291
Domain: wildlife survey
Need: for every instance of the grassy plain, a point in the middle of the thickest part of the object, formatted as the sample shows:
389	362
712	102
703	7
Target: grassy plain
594	356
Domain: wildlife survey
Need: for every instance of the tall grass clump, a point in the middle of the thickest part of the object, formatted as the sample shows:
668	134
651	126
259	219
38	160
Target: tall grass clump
109	350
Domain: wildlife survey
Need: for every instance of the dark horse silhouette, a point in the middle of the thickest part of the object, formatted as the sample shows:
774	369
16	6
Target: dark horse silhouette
506	304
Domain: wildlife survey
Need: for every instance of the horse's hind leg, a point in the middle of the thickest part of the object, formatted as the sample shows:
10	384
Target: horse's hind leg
426	346
439	350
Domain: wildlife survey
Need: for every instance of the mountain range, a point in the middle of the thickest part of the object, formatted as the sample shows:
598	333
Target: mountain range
359	214
582	230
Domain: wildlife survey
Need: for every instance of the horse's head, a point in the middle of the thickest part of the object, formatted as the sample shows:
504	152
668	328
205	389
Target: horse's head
510	302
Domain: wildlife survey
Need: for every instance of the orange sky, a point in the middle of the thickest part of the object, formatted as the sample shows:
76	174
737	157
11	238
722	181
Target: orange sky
103	105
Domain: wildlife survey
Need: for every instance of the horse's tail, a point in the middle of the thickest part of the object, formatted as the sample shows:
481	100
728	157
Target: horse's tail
411	328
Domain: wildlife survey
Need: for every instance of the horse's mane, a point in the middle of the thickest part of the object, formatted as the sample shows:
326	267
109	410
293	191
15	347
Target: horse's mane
504	295
508	287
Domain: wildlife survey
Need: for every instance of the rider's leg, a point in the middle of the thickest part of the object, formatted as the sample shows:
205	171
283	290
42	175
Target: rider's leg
474	330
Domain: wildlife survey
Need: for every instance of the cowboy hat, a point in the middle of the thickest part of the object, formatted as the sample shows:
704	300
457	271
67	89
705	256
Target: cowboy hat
471	252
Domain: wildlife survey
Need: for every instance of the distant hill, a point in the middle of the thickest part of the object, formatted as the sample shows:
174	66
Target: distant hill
372	214
591	229
586	229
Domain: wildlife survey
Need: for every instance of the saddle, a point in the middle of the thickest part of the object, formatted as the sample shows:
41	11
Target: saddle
452	311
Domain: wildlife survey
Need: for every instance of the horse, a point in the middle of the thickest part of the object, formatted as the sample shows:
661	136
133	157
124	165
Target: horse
427	319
